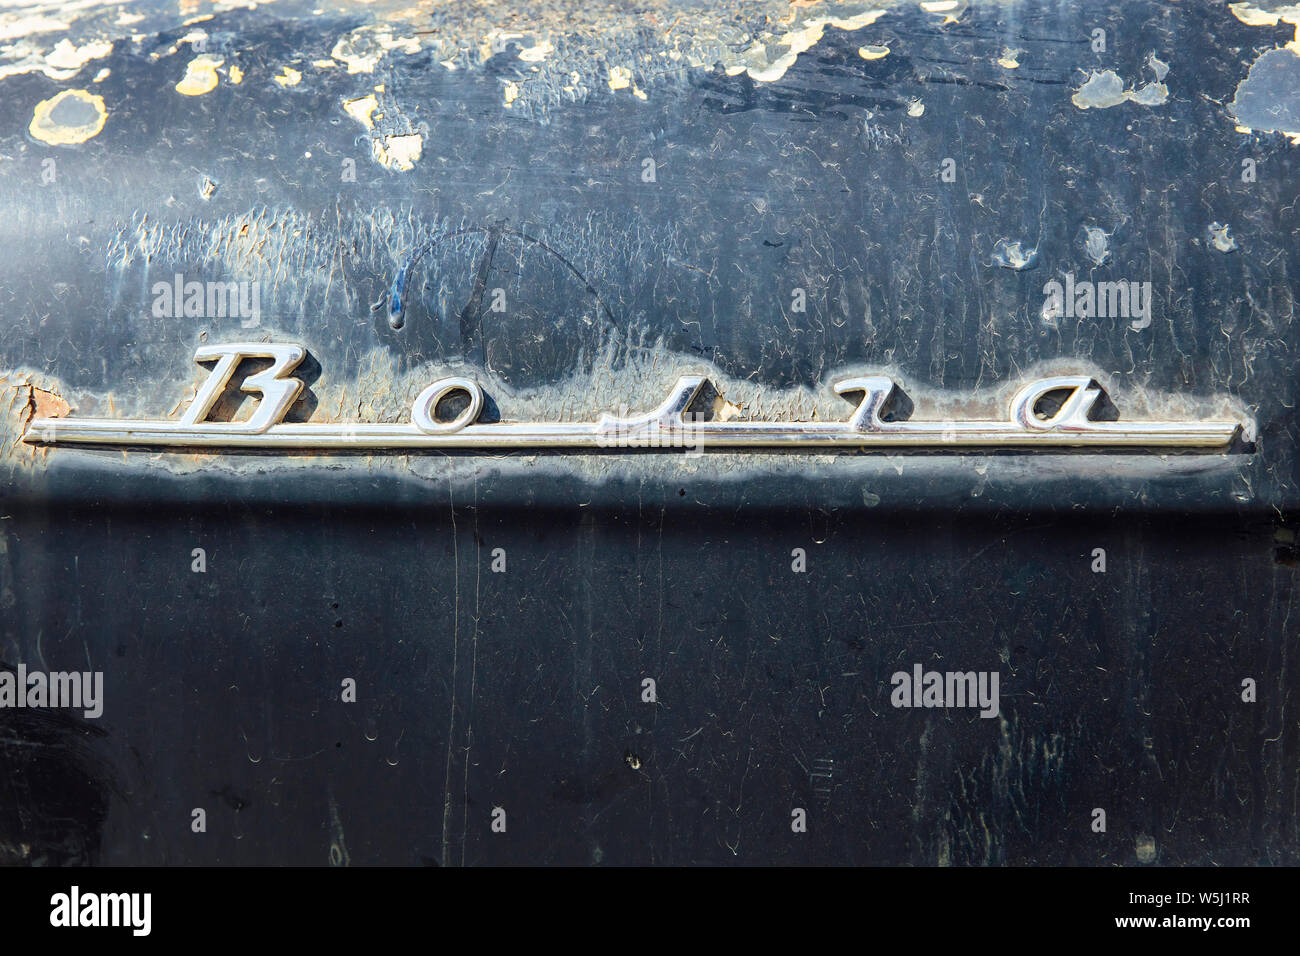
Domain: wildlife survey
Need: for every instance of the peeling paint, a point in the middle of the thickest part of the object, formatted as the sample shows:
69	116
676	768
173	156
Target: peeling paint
200	75
1221	237
620	78
400	151
537	52
361	109
1096	244
68	118
1012	255
288	77
1105	89
873	52
362	49
63	62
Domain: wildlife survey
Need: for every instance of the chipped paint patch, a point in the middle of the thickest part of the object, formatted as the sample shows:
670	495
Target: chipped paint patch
362	49
951	10
537	53
401	151
511	93
872	52
68	118
361	109
67	56
63	62
1268	99
1105	89
915	108
1010	59
236	75
200	75
1221	237
1012	255
799	40
288	77
1096	244
1254	16
620	77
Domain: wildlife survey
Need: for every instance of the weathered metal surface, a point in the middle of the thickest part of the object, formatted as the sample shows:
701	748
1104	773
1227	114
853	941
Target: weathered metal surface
652	192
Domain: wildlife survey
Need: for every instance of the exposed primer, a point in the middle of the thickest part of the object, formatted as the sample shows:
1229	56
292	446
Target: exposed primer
200	75
68	118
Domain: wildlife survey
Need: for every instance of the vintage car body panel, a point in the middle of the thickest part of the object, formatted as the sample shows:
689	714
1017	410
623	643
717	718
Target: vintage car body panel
576	207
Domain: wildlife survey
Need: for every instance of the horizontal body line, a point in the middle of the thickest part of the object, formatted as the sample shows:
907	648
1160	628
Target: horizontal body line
508	435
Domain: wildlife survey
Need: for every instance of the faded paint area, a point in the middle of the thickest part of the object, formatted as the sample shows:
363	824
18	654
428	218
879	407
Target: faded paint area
1105	89
68	118
200	75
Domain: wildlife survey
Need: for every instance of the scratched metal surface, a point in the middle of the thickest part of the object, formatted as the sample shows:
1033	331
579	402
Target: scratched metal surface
784	158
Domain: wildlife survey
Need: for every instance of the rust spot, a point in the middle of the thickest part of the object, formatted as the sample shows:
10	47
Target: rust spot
42	404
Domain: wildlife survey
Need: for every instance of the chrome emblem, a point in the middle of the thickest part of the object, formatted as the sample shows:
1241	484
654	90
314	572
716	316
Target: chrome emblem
1068	425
